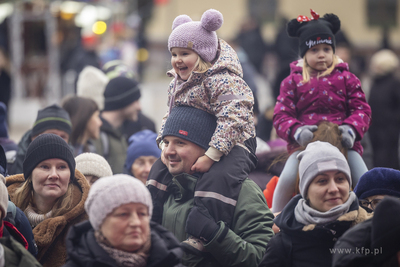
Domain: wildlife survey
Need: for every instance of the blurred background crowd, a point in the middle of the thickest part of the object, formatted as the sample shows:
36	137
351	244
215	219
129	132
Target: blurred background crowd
45	44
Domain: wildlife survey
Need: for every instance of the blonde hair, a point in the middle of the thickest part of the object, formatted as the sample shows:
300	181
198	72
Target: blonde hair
306	74
201	66
23	197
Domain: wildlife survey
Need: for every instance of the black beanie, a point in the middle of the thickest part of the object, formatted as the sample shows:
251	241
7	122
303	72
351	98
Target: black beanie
48	146
386	229
52	117
315	31
120	92
191	124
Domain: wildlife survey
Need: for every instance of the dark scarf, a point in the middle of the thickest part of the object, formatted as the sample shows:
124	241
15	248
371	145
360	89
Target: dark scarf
125	259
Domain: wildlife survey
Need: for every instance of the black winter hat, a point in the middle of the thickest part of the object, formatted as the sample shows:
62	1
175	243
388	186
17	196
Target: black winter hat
191	124
385	230
48	146
120	92
52	117
314	31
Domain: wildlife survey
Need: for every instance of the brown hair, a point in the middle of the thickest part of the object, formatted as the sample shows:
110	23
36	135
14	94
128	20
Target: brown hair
80	110
306	74
23	196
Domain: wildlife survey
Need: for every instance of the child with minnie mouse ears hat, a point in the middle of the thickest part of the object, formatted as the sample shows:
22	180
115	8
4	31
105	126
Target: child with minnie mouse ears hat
320	87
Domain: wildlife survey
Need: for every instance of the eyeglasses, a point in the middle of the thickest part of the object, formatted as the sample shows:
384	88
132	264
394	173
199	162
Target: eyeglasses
365	203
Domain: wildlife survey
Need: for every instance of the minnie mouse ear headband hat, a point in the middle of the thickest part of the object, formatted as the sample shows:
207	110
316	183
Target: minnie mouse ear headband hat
199	36
315	30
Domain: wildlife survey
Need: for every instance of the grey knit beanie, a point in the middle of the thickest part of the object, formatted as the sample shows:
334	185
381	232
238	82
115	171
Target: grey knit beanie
319	157
93	164
108	193
191	124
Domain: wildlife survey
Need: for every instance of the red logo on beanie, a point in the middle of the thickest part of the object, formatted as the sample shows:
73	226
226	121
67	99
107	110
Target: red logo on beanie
318	38
329	38
183	132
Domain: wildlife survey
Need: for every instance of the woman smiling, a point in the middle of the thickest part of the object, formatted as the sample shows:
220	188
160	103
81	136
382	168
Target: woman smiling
312	221
52	195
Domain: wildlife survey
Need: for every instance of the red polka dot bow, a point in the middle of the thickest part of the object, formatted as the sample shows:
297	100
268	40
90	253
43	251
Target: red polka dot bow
314	15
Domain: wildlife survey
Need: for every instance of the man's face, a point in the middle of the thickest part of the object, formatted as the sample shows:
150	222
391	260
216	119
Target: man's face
131	111
180	154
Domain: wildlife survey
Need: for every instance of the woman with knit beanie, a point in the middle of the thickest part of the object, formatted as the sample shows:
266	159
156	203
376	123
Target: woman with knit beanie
86	123
312	221
51	193
119	231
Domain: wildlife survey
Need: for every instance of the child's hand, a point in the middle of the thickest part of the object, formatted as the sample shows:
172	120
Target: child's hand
348	135
304	134
203	164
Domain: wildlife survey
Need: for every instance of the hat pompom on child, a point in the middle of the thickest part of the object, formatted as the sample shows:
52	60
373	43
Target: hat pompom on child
197	35
313	31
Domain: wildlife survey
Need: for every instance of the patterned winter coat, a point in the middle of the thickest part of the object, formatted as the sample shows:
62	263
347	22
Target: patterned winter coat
337	98
220	91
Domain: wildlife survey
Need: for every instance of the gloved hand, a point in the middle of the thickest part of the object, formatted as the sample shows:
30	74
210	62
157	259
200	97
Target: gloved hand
200	224
348	135
304	134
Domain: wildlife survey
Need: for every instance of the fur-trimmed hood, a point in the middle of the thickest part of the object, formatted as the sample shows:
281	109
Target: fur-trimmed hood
50	234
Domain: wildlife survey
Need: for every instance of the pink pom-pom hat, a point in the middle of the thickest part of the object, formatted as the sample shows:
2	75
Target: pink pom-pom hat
197	35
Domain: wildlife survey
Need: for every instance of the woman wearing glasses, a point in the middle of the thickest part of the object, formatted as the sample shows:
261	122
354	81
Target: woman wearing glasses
375	184
371	189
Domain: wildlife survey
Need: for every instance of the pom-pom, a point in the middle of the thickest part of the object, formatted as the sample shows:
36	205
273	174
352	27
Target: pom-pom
212	20
179	20
334	21
292	27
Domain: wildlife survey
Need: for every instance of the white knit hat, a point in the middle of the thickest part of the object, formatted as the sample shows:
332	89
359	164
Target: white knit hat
93	164
3	196
110	192
91	84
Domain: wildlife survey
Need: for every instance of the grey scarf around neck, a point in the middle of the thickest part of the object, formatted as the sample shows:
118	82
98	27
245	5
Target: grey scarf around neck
306	215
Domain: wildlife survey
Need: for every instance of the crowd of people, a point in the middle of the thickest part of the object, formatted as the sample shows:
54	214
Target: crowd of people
92	183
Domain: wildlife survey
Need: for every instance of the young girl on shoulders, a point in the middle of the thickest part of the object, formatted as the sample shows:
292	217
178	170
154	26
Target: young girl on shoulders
320	87
208	76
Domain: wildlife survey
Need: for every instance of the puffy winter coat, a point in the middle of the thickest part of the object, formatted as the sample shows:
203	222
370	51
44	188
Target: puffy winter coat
240	244
337	98
220	91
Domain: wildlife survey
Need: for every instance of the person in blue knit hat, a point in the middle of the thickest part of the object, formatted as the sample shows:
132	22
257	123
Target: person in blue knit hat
375	184
142	153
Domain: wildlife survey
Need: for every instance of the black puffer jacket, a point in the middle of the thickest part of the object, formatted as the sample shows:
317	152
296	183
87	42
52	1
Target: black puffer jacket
311	245
83	249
